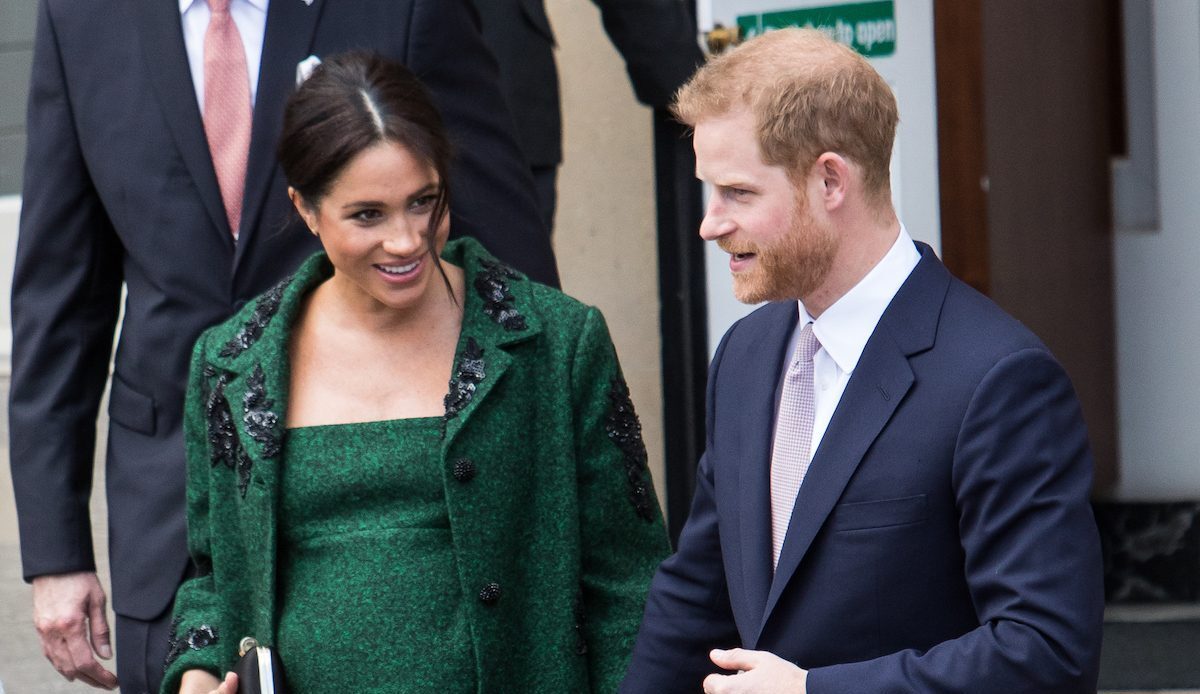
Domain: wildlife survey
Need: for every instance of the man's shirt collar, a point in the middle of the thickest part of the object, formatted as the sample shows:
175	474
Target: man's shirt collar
260	5
844	328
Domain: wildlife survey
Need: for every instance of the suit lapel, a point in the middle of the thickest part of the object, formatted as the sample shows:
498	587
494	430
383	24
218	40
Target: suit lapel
755	425
288	40
879	384
161	33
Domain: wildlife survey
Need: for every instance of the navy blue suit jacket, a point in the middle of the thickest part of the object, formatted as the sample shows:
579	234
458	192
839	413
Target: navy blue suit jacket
120	190
942	540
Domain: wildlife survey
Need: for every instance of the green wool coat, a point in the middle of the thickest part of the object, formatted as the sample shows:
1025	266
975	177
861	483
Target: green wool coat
555	525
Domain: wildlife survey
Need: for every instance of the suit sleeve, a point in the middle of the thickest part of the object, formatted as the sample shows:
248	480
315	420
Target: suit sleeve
622	534
65	297
202	636
658	40
492	192
688	612
1022	478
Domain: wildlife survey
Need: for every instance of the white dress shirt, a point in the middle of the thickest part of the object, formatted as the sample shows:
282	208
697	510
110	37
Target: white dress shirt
844	328
250	16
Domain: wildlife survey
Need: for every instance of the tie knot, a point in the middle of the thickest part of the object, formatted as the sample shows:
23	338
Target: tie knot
808	344
219	6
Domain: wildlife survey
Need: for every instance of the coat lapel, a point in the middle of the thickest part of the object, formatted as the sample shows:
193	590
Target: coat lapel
288	40
255	354
879	384
259	399
755	424
493	321
160	31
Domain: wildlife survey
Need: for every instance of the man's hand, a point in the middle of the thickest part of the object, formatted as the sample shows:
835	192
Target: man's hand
760	672
68	613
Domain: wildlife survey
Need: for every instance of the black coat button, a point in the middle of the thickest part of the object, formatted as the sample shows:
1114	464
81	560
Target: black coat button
490	593
464	470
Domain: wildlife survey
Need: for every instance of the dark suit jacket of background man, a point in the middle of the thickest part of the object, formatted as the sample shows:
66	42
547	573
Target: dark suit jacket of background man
655	37
942	540
119	188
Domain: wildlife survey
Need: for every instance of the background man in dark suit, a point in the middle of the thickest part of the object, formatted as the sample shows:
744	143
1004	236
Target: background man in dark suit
121	188
894	492
657	39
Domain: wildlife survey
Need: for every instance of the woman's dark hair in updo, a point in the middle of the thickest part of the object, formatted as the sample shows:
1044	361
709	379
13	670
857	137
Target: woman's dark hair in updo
349	103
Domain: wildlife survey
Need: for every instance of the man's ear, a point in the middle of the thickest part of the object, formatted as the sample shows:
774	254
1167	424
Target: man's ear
833	171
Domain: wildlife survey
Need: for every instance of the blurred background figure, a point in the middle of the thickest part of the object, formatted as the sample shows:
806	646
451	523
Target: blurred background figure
657	39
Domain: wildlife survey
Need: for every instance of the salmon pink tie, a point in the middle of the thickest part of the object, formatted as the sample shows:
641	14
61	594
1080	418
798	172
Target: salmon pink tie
792	452
227	109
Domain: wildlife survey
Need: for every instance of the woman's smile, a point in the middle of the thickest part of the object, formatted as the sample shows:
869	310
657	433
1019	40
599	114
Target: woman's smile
401	273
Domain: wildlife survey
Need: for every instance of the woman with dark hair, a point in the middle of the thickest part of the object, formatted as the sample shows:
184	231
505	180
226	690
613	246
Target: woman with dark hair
381	532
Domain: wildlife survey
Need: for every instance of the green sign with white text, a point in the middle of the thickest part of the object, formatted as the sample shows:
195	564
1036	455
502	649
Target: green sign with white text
867	27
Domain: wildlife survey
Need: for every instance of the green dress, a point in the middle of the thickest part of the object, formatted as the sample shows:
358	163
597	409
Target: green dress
369	598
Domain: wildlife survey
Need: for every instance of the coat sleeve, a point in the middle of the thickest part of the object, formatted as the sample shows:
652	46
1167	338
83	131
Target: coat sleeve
202	635
623	537
492	192
1022	477
659	42
688	612
65	298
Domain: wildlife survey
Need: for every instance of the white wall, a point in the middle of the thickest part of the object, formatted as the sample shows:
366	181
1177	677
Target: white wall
10	209
1158	285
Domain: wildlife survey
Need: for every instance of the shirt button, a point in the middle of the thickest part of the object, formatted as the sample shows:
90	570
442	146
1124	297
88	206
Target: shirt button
463	470
490	593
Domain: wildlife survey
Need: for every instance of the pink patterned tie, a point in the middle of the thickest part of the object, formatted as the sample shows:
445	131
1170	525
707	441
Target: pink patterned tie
227	109
793	438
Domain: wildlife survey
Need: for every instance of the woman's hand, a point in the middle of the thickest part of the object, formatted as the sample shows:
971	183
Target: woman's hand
229	686
203	682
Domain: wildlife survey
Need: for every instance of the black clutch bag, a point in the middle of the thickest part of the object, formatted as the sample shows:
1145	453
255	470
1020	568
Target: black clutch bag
259	670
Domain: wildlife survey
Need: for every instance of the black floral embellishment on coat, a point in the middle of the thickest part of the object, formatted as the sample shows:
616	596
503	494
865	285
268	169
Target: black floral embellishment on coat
223	444
581	647
202	636
467	377
261	422
244	463
175	646
252	329
625	431
222	436
492	285
196	638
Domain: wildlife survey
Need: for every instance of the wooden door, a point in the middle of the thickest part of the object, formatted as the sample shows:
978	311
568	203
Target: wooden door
1025	90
